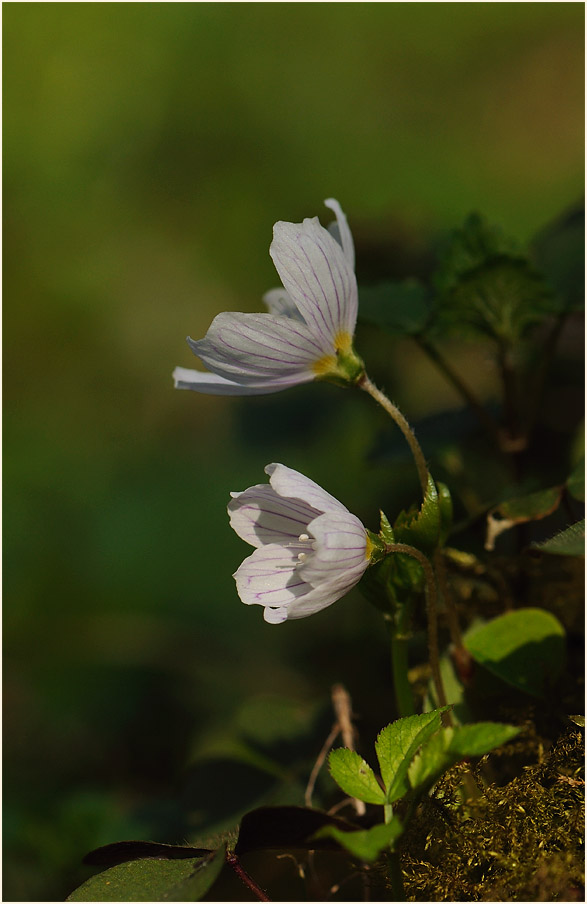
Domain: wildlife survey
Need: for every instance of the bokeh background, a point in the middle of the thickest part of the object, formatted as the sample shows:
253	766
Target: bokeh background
148	149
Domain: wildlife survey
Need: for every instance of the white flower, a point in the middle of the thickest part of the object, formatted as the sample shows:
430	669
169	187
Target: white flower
309	329
310	550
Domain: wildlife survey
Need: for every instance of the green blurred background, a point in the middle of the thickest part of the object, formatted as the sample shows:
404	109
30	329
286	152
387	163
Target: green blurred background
148	149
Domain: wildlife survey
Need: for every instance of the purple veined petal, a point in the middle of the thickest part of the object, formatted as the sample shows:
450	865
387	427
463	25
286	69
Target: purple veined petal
318	278
275	616
340	230
339	550
249	348
280	304
315	600
293	485
269	577
212	384
260	516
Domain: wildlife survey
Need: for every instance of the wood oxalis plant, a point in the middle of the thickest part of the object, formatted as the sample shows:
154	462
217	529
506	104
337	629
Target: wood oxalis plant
309	550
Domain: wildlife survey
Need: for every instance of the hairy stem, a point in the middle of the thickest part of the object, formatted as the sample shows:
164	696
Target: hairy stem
235	863
367	386
431	606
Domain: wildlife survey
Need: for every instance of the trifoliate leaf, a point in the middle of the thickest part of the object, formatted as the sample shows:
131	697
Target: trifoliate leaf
366	844
396	746
569	542
525	648
355	776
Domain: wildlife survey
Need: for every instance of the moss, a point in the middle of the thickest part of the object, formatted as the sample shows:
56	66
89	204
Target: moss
522	840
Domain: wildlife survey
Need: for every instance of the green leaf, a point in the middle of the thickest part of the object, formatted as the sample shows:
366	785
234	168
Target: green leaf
450	745
576	481
366	844
560	252
422	529
432	760
396	746
153	880
569	542
486	283
355	776
402	308
480	738
531	507
524	648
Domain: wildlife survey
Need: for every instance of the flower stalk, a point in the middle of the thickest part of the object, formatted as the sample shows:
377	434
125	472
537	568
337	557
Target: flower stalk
368	386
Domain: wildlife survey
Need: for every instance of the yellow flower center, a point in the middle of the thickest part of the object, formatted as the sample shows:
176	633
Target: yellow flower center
328	363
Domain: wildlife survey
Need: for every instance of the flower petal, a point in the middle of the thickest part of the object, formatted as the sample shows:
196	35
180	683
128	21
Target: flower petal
339	554
314	601
250	348
293	485
269	577
260	516
318	278
280	304
341	232
212	384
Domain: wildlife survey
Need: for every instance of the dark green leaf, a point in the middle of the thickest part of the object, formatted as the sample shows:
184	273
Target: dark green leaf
153	880
366	844
122	851
488	284
559	251
480	738
576	481
569	542
396	746
355	776
421	529
525	648
286	828
398	307
531	507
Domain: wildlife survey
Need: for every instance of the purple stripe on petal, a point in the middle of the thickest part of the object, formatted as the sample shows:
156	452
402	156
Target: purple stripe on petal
291	484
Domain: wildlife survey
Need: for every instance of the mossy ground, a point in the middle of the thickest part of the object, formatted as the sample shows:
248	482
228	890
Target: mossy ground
476	839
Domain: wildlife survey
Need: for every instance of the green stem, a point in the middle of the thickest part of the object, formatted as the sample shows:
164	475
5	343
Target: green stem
399	666
367	386
431	607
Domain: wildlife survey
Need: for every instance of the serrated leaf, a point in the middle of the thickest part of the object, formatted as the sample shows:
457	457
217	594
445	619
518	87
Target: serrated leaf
422	529
153	880
396	746
432	760
355	776
525	648
576	481
480	738
402	308
366	844
450	745
569	542
531	507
